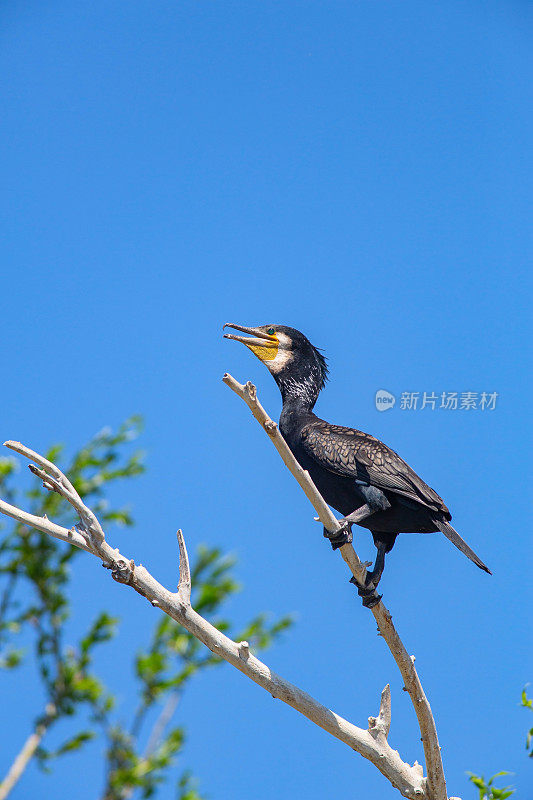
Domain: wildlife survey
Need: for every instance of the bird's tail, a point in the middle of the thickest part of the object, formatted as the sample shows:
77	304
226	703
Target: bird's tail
454	537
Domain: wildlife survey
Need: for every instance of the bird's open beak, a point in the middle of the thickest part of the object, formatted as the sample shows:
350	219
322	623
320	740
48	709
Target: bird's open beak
257	338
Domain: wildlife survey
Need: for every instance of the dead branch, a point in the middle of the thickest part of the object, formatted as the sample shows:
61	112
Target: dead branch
436	784
88	535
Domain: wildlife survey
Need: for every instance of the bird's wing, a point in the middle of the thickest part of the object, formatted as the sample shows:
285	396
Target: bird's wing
352	453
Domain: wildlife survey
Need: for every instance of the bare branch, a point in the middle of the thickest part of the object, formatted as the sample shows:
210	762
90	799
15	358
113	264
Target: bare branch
167	712
380	725
48	482
43	524
184	585
28	751
401	775
20	448
435	771
88	535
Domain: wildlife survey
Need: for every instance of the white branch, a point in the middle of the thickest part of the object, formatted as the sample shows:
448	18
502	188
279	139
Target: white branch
28	751
436	784
44	524
407	779
184	585
380	725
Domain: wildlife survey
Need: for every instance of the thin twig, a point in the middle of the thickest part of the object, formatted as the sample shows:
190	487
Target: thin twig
27	752
184	585
43	524
380	725
167	712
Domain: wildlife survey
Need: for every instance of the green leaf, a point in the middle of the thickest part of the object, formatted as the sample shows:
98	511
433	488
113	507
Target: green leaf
187	787
75	743
11	659
487	791
102	629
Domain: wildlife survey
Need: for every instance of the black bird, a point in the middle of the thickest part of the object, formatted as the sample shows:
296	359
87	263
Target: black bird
356	474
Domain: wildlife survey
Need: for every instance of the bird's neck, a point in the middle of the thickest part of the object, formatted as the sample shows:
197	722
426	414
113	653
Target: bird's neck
299	394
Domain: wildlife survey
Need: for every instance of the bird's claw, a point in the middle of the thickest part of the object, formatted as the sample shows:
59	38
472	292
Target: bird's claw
340	537
371	600
368	593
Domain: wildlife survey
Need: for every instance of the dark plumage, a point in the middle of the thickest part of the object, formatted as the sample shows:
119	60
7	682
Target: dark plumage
356	474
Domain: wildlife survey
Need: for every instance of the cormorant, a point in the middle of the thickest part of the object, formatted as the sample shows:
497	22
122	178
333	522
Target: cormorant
356	474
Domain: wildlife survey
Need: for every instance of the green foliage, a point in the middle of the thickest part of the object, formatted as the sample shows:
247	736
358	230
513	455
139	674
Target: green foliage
527	702
35	571
33	563
74	743
487	790
129	770
187	788
34	578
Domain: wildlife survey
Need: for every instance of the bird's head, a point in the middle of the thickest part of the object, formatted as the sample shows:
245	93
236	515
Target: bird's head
296	365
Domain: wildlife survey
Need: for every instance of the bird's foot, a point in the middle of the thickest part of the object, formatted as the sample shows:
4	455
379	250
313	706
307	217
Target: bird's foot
367	591
340	537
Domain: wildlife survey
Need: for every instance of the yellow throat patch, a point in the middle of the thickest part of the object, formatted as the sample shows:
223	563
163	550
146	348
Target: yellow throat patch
267	352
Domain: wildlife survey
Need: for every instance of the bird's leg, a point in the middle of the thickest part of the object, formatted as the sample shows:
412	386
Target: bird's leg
359	514
375	501
379	565
368	591
344	535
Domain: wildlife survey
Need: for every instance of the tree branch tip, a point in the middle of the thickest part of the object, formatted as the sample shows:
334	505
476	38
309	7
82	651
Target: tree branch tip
385	693
385	702
184	581
181	541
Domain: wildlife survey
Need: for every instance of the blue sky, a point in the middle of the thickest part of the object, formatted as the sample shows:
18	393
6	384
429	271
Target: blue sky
360	171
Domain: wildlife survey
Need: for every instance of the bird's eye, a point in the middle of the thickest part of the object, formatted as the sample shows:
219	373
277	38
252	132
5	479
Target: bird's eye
270	331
